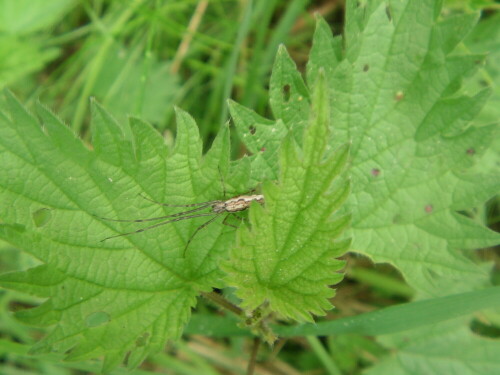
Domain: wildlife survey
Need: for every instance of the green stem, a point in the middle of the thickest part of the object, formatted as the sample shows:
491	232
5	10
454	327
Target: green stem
323	355
217	299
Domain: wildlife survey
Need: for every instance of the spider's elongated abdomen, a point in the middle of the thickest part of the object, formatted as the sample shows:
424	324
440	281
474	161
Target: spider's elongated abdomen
239	203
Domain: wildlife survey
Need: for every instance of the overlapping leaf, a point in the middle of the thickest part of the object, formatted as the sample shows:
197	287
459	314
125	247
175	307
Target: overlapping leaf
127	294
449	347
287	258
395	95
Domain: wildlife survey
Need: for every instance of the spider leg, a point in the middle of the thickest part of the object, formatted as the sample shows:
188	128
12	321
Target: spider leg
156	218
236	216
157	225
177	205
196	232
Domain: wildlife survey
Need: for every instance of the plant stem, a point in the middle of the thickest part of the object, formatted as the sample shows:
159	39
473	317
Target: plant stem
221	301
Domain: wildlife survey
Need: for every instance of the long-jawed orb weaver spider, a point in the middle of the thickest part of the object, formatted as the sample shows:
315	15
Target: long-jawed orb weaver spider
218	208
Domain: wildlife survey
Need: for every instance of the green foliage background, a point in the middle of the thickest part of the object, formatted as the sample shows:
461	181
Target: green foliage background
405	90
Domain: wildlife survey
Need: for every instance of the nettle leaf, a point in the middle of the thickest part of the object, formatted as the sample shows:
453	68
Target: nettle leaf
262	139
449	346
129	294
395	94
411	152
286	260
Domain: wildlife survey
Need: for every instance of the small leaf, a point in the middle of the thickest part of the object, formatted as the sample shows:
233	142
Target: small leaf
262	138
287	258
289	96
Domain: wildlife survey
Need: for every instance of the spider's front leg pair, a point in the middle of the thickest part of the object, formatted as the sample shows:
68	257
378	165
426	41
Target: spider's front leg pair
217	208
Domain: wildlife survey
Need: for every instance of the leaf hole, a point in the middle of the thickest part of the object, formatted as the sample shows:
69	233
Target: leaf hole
388	12
484	329
287	92
360	4
142	340
484	83
97	319
397	219
41	217
366	68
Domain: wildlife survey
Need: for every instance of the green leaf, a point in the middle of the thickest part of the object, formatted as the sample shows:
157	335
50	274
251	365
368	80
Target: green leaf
20	52
450	347
287	258
262	138
404	317
19	57
405	185
485	39
396	95
132	293
28	16
389	320
122	87
288	94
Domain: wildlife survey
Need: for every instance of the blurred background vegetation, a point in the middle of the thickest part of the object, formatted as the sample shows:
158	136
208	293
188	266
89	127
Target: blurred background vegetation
142	58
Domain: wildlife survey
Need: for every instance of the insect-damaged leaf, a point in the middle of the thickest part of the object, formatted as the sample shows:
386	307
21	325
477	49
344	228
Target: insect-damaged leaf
126	295
287	257
395	94
392	92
